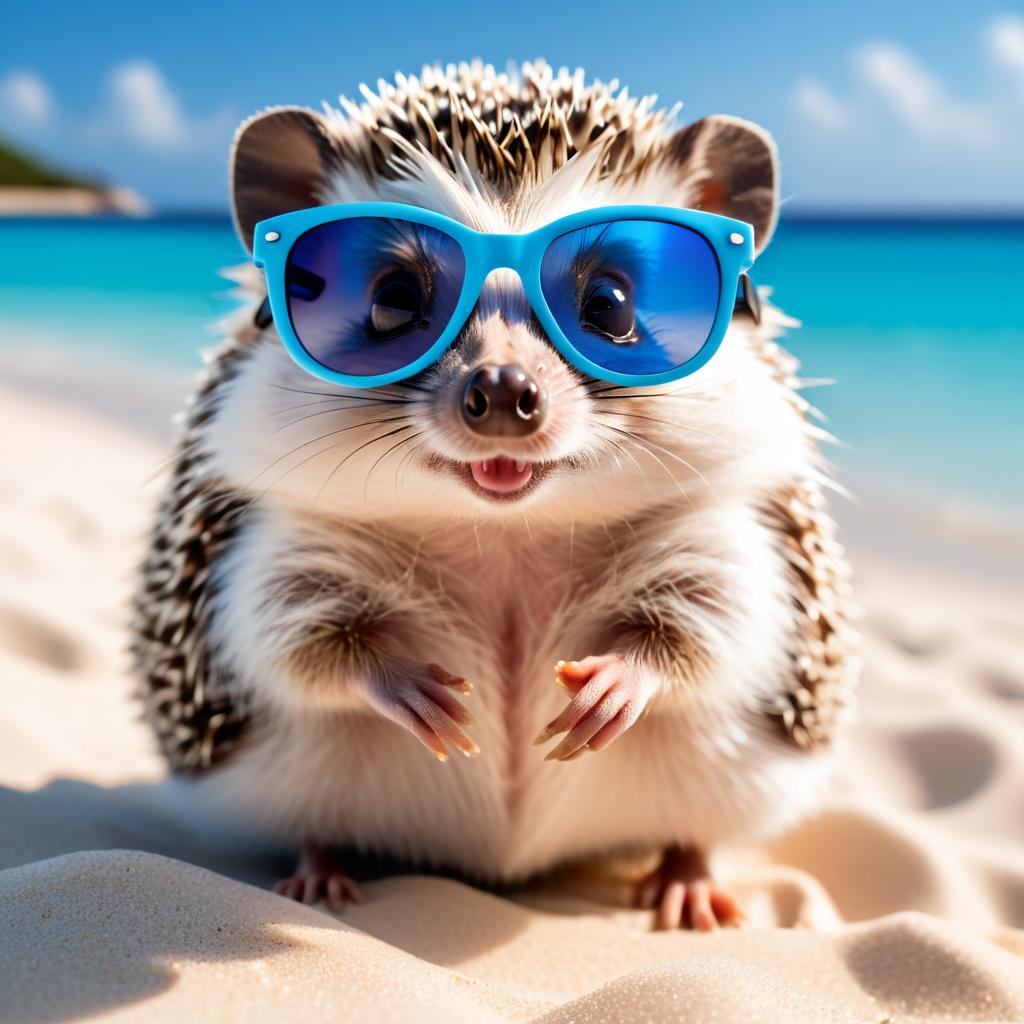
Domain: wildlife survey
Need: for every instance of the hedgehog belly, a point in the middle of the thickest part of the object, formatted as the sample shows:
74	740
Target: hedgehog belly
362	781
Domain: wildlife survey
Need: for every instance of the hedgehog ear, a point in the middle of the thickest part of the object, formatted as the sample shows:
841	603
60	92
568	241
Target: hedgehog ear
733	168
279	162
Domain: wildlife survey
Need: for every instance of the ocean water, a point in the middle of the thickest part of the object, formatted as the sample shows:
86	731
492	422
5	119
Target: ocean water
919	323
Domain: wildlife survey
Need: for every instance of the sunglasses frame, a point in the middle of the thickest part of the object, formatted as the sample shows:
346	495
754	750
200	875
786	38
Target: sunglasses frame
731	241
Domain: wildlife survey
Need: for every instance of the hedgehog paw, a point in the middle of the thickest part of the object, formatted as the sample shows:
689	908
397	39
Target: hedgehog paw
681	892
420	698
317	878
609	693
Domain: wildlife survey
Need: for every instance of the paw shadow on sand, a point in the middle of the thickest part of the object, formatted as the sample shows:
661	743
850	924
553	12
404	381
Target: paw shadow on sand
69	816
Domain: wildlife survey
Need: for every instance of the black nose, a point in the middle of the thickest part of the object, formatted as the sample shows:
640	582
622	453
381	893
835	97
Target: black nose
503	401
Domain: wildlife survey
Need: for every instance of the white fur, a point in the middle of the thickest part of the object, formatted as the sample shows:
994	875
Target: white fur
701	767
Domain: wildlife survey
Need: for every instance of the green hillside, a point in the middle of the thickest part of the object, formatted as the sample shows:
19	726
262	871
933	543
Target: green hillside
18	169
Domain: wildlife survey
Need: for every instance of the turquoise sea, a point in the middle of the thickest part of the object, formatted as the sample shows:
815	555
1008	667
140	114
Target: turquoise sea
919	322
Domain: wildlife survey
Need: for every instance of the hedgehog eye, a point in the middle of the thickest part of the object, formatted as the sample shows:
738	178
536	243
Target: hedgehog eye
608	309
397	305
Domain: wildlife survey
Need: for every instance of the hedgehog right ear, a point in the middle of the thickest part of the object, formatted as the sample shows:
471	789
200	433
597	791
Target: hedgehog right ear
279	163
732	167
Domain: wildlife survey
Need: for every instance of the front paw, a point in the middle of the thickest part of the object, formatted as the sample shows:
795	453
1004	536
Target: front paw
419	698
609	694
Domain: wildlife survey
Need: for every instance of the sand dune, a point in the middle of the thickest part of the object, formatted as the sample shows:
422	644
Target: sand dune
903	899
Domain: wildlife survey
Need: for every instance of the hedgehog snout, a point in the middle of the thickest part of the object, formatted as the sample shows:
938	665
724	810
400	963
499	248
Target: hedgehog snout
503	401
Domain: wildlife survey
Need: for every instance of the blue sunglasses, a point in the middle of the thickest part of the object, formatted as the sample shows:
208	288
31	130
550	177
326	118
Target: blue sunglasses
365	294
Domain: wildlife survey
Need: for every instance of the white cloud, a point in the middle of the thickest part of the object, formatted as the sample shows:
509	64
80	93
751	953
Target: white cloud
140	110
143	107
891	88
1005	37
819	104
915	96
25	99
893	129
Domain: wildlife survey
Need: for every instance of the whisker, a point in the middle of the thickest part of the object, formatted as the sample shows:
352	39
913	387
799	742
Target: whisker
266	490
639	444
403	465
291	469
408	385
381	458
376	396
601	394
672	455
629	455
344	398
673	425
323	437
244	491
328	412
356	451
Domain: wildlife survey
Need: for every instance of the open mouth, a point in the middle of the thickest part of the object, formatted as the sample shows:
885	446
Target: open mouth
499	478
501	475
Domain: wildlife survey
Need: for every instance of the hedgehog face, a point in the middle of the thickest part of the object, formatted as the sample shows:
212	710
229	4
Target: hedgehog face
501	424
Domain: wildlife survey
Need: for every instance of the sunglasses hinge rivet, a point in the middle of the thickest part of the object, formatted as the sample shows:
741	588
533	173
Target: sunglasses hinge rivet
271	236
736	238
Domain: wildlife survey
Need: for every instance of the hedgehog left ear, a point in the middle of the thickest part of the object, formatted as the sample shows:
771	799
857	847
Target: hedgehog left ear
732	167
279	162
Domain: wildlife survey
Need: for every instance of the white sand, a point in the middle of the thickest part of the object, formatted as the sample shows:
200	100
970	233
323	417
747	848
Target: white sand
899	900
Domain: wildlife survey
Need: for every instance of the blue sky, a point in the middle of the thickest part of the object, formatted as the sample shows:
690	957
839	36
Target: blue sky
873	104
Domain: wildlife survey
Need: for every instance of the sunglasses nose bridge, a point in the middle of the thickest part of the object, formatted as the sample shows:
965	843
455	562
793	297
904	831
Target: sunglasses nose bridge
504	252
500	269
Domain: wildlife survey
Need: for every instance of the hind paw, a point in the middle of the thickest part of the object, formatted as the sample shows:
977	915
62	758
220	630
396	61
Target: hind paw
317	878
681	892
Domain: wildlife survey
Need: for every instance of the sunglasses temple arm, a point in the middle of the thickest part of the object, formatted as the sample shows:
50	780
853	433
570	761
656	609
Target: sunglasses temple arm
263	317
747	299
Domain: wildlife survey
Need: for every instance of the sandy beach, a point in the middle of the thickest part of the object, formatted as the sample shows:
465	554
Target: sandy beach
902	899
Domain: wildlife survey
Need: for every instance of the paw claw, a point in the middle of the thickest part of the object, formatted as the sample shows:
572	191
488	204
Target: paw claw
544	735
576	753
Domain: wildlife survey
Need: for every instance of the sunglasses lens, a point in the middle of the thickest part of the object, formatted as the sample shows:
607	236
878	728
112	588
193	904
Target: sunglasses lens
633	296
370	295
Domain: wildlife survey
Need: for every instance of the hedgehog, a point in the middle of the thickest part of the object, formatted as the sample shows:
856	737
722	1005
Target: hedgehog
327	572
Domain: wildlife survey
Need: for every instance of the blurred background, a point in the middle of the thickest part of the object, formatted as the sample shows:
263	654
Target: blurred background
901	132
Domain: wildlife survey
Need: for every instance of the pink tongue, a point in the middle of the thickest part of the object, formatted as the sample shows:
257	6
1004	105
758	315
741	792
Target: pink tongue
500	474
